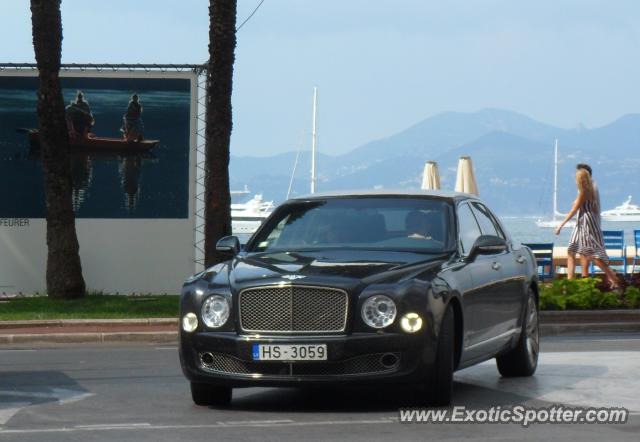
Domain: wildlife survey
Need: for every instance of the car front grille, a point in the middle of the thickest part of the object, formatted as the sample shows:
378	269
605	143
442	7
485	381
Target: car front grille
293	309
368	364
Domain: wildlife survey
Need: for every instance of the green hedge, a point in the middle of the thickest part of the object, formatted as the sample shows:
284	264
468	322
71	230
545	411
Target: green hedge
93	306
585	294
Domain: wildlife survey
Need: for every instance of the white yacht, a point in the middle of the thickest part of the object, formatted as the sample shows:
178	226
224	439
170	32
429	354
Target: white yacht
558	217
247	217
624	212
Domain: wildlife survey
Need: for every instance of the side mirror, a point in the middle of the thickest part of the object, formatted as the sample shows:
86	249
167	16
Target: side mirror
487	245
229	244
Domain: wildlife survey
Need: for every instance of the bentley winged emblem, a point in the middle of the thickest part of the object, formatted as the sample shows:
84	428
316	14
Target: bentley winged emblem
293	277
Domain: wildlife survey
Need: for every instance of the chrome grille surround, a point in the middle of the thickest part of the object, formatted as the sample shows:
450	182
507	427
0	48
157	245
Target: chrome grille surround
293	309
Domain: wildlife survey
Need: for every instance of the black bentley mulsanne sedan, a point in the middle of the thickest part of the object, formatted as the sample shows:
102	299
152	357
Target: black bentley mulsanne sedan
362	288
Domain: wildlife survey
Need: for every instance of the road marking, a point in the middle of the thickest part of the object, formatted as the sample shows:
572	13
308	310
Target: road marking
10	411
258	422
140	426
229	424
72	399
27	394
61	395
113	426
167	348
15	350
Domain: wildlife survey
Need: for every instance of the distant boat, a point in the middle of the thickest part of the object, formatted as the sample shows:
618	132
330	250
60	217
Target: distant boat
557	217
97	144
624	212
247	217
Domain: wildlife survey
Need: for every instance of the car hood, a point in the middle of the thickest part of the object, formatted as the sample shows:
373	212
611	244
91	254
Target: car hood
311	266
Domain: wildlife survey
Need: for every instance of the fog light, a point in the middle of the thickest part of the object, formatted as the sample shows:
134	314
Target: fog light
411	322
189	322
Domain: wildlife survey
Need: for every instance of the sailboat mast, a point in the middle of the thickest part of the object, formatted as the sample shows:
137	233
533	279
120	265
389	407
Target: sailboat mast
313	140
293	173
555	181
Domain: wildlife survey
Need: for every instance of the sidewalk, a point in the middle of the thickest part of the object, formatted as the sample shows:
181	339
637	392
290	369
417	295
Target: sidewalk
165	330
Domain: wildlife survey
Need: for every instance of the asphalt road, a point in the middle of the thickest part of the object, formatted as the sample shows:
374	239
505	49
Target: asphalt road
139	393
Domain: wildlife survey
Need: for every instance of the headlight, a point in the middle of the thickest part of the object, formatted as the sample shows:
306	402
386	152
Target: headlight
215	311
379	311
189	322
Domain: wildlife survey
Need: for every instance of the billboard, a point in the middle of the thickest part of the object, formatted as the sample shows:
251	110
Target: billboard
132	137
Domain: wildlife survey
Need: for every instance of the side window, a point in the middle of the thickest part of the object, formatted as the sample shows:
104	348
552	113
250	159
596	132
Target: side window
487	221
469	230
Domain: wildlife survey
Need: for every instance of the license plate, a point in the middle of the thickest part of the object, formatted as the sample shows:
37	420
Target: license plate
289	352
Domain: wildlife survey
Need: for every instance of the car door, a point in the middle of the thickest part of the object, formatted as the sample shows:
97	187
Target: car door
497	310
485	276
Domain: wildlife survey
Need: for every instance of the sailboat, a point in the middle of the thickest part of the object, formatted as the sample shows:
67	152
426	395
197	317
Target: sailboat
247	217
557	217
314	140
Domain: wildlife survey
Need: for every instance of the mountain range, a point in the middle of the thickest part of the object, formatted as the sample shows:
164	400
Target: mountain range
512	156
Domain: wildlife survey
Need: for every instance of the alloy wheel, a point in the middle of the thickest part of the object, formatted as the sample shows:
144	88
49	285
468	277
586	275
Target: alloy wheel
531	330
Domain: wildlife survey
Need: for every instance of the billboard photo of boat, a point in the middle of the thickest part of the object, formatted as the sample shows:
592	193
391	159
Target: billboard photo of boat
129	140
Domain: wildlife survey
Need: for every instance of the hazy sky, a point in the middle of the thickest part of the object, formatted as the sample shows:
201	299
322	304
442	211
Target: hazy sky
380	65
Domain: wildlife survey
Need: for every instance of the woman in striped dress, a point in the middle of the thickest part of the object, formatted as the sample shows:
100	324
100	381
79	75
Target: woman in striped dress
586	238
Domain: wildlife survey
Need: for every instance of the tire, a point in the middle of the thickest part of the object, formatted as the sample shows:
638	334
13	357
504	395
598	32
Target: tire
523	359
210	395
440	386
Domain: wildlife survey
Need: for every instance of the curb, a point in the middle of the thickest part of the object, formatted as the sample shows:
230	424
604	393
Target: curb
91	338
583	329
574	322
553	316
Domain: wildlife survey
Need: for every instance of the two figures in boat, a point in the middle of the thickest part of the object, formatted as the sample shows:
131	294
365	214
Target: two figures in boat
80	119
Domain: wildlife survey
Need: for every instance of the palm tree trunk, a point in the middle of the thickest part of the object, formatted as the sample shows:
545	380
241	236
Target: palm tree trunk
222	44
64	271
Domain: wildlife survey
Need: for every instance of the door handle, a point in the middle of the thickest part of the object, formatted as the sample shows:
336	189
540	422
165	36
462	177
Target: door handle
496	266
521	259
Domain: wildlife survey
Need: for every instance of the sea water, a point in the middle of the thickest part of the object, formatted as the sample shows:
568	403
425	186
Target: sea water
525	230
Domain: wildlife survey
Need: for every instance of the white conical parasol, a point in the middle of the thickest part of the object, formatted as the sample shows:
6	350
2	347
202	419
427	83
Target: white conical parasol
466	180
430	176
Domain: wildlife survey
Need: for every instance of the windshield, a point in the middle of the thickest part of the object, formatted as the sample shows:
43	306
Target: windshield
395	224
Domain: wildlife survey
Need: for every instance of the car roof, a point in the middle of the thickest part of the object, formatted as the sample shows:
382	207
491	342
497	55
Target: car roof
445	194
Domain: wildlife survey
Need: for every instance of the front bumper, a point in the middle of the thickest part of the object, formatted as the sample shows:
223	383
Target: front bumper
354	358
